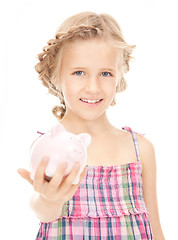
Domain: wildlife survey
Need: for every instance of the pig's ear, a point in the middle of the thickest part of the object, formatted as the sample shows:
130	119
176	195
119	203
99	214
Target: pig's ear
86	138
57	129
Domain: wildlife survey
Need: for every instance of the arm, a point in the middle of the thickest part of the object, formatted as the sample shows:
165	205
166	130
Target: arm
45	209
147	156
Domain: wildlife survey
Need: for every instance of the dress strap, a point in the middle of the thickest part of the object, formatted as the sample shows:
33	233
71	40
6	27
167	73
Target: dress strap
128	129
41	133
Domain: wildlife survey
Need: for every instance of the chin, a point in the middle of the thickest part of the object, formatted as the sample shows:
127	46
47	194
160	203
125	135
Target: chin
86	114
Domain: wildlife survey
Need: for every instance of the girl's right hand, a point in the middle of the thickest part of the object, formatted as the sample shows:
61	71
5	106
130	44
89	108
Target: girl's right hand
59	188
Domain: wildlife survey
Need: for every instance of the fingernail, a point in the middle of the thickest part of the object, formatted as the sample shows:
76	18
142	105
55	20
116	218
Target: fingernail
64	165
45	158
19	170
77	165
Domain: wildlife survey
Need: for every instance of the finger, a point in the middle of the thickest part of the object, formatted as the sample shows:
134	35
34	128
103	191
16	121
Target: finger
73	188
82	175
57	178
66	184
40	174
25	174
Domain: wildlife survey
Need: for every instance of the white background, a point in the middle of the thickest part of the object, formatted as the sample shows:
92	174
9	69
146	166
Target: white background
148	105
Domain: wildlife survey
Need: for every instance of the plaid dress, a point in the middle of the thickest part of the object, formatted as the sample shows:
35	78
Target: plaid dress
107	205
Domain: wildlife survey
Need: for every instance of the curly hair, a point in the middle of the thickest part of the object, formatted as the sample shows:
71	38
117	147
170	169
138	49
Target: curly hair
85	25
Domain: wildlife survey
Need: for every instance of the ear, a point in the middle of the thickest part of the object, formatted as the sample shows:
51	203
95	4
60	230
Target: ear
86	138
57	129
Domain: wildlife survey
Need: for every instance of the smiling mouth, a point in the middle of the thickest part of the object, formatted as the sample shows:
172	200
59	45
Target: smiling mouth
90	101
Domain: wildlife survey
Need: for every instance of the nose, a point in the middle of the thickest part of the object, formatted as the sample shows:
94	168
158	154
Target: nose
92	85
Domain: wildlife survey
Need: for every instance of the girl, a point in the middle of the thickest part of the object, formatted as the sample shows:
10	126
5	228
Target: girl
84	66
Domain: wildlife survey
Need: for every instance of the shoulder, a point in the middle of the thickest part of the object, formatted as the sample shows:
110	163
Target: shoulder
146	151
145	147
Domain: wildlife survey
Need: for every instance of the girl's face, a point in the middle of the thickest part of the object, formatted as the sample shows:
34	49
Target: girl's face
88	77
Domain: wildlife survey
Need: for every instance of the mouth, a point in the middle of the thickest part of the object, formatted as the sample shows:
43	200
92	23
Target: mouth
91	102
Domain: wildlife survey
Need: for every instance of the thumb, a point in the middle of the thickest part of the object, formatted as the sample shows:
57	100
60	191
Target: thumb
25	174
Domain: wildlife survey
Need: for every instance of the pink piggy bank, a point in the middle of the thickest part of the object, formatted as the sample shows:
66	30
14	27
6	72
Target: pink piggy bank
60	146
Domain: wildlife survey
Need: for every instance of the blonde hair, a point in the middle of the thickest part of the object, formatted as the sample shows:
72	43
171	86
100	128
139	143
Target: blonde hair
84	25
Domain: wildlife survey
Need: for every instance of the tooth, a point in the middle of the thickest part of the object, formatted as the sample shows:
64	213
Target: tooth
90	101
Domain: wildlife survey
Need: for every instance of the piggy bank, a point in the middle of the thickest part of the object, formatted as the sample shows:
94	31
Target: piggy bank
60	146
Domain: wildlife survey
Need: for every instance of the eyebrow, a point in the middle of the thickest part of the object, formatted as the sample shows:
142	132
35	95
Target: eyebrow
102	69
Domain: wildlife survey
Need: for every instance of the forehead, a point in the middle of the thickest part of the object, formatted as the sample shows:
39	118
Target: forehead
91	52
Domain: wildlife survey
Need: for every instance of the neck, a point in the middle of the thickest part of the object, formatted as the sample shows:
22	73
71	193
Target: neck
93	127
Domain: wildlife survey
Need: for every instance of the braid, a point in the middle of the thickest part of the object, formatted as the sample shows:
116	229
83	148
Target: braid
45	66
59	111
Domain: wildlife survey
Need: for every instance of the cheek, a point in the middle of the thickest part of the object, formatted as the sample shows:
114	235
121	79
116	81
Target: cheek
110	86
69	90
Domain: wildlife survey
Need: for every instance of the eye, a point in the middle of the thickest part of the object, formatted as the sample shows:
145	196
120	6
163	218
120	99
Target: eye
79	73
106	74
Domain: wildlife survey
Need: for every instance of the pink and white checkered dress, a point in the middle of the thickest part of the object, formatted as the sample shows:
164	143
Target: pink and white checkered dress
107	205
